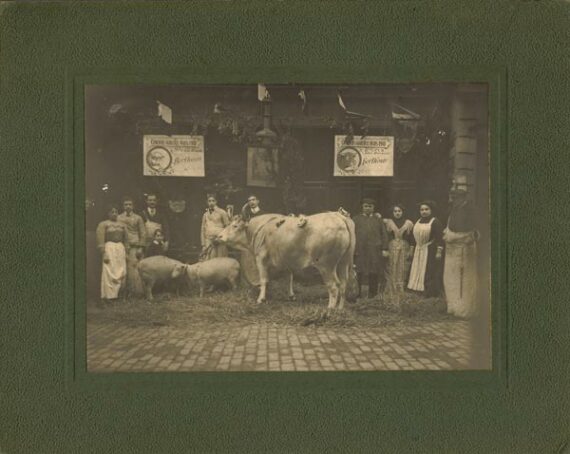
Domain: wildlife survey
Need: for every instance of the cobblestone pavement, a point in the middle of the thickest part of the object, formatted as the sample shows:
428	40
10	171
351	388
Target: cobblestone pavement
442	345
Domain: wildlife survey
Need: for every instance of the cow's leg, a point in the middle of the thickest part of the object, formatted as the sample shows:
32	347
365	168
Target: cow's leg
332	282
343	274
202	287
263	279
292	296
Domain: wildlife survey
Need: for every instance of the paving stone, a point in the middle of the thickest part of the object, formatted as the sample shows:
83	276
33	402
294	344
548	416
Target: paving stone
430	346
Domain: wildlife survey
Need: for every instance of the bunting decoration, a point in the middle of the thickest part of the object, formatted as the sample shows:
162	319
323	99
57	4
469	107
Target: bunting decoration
407	122
262	92
164	112
303	97
347	112
401	113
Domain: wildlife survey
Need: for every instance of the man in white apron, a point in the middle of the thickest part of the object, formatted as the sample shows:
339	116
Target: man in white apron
460	271
214	220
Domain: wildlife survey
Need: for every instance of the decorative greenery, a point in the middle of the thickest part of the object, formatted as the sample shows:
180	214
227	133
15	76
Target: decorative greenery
291	174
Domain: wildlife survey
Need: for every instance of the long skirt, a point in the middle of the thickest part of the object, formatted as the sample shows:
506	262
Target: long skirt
134	282
460	274
398	266
249	269
114	272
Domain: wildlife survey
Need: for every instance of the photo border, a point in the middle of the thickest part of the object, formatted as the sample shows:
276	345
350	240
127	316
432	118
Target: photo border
460	380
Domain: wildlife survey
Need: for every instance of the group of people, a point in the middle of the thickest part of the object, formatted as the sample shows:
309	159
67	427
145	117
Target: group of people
397	255
126	237
392	255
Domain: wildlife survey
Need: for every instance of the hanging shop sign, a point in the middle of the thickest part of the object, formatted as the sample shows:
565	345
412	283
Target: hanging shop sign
370	156
173	156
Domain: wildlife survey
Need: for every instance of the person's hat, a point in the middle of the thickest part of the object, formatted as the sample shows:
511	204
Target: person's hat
368	201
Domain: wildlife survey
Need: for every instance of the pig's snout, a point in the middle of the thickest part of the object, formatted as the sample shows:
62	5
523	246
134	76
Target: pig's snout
178	271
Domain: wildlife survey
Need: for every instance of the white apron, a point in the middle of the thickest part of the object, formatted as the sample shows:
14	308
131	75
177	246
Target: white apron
419	263
113	273
460	273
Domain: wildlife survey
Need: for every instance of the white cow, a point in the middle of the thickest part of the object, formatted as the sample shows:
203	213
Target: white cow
325	241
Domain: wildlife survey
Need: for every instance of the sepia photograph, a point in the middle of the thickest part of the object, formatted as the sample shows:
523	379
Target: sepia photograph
287	227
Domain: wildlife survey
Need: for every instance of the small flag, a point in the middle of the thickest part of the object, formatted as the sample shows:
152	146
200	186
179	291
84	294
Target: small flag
303	97
401	113
115	108
220	109
262	92
347	112
340	101
165	112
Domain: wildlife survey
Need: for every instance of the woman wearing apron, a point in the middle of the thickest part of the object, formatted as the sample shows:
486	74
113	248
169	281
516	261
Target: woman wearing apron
399	232
112	242
427	246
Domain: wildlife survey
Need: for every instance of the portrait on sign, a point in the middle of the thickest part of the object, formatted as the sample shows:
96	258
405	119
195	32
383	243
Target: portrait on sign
371	156
175	156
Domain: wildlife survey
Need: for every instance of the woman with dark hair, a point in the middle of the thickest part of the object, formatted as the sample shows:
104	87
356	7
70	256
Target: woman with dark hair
399	232
427	247
113	243
247	260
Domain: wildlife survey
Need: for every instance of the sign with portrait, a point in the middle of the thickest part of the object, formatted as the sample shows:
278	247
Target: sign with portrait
173	156
370	156
262	167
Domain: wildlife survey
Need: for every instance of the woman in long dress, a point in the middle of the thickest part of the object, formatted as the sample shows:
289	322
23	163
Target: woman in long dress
427	245
399	232
113	243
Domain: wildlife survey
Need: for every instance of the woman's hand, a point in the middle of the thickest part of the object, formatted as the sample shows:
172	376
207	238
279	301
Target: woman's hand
438	254
385	254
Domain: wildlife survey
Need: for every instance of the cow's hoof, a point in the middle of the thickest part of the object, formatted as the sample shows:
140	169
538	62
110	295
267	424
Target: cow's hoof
292	298
261	301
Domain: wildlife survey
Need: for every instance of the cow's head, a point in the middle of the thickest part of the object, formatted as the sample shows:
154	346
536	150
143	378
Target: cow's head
234	235
179	270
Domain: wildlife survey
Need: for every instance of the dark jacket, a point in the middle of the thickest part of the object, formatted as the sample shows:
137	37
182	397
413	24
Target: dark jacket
159	217
371	240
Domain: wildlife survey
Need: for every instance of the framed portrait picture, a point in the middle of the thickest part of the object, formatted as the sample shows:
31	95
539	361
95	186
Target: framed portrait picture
262	167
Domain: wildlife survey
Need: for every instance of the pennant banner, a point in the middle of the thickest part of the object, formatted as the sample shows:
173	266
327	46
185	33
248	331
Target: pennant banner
165	112
303	97
262	92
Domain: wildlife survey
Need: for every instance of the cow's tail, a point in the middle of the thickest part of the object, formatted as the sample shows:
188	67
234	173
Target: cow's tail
348	257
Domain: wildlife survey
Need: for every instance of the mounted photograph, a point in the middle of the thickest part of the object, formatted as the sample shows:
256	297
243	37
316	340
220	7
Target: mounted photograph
287	227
